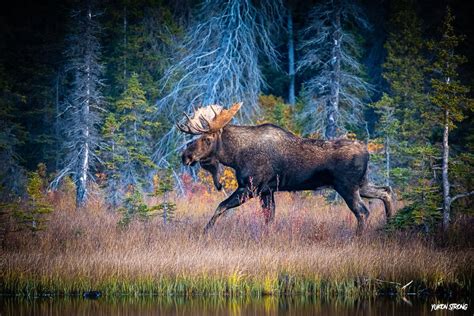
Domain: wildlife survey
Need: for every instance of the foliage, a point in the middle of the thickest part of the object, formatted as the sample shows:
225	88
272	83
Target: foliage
389	127
422	192
133	207
227	179
12	175
405	70
416	216
276	111
32	213
448	95
163	185
128	134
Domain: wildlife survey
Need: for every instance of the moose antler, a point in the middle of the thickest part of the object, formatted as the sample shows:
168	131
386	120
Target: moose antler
208	119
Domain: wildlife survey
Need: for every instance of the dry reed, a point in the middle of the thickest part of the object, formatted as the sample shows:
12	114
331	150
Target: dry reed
310	248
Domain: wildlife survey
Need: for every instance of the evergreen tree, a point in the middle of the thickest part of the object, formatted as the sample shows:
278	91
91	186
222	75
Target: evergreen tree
83	106
409	156
12	175
405	101
135	129
112	160
404	69
128	135
449	98
389	127
332	50
141	39
32	213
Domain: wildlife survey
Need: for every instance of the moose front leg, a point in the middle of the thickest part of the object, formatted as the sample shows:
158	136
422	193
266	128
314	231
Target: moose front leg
212	166
236	199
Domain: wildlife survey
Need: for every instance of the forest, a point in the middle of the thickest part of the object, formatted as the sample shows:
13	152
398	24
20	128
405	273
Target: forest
90	154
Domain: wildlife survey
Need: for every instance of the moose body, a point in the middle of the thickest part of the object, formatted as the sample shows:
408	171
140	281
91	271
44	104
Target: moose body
267	158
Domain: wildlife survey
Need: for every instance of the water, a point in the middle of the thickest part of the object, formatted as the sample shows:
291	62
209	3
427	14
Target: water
156	305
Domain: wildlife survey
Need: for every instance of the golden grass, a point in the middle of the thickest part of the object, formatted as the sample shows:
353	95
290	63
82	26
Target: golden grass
310	248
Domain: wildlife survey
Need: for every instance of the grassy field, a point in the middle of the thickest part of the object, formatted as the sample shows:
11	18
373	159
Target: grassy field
310	249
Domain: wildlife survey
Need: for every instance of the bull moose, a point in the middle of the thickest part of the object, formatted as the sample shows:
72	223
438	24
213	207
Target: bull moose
267	158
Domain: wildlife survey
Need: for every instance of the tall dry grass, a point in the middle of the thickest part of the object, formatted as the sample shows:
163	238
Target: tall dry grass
310	248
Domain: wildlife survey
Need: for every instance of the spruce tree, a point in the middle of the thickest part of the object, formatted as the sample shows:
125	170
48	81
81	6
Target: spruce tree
405	100
12	174
449	99
129	143
404	69
389	127
409	156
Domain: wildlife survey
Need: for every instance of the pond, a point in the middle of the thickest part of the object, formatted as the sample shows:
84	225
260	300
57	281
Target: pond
209	305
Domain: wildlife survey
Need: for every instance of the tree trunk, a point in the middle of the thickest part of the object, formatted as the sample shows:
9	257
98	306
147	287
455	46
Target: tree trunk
444	168
56	127
125	47
387	161
333	106
81	183
291	60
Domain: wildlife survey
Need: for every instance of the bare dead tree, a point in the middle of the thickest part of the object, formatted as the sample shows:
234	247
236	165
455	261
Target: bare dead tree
330	49
291	59
218	62
81	110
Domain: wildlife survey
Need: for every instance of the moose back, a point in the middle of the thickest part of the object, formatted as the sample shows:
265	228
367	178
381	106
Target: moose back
267	158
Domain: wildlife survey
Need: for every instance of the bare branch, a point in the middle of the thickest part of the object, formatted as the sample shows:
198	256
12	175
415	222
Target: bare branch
462	195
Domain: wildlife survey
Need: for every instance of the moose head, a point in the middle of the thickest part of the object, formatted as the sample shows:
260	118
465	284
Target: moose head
207	122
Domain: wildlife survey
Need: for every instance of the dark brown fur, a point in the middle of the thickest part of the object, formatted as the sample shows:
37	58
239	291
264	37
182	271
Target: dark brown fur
212	166
267	158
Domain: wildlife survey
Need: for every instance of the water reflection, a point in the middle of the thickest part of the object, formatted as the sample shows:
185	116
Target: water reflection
269	305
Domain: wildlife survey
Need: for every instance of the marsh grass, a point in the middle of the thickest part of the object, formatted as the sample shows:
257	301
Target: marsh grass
309	249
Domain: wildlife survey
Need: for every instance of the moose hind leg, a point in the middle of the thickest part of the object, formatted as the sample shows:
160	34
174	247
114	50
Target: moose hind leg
383	193
357	206
268	206
235	199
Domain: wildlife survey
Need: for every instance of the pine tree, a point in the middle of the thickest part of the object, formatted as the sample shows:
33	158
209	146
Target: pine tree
135	129
409	153
32	213
142	40
163	186
404	69
405	99
83	106
128	134
389	127
332	50
112	160
12	174
449	98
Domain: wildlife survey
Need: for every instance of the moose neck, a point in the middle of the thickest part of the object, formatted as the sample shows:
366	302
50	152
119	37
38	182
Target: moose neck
229	144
